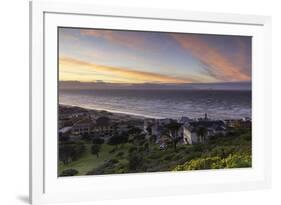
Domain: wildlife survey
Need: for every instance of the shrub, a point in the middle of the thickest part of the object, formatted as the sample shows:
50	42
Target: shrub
187	151
95	149
247	137
198	147
237	160
135	161
71	151
119	154
114	161
169	157
97	140
118	139
146	147
177	157
69	172
155	155
132	149
112	150
153	138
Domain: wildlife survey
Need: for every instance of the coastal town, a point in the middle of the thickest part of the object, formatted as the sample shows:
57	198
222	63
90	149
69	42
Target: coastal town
95	142
76	122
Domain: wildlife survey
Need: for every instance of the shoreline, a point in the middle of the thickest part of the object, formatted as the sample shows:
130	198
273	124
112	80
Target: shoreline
116	113
133	115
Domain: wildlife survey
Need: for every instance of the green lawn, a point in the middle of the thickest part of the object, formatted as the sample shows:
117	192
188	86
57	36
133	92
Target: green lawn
89	161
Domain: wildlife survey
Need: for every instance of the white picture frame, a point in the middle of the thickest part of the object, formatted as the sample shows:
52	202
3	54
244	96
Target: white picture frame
46	187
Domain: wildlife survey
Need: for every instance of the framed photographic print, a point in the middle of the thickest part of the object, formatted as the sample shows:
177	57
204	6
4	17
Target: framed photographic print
130	102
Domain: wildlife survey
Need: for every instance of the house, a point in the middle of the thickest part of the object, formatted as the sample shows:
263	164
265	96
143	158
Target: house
68	121
191	130
83	126
185	120
103	127
245	123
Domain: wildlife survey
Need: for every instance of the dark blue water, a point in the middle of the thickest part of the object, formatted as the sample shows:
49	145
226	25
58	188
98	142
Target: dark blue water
164	103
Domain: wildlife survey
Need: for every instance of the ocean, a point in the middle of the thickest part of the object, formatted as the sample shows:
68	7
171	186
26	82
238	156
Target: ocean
218	104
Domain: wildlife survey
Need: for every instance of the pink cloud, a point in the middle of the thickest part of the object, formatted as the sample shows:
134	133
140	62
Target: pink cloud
119	37
219	65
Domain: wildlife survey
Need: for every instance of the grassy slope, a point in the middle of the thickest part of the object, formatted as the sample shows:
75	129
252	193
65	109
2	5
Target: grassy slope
89	161
162	160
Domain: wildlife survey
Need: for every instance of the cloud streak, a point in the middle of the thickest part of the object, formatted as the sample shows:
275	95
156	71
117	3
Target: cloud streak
216	62
123	38
71	68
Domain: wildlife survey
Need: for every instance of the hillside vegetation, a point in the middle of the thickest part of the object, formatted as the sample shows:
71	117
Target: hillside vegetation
134	154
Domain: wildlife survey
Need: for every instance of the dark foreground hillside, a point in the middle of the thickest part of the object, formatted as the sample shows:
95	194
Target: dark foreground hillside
136	154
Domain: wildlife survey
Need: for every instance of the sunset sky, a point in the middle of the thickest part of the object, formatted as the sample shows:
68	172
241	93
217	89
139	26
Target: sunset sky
91	55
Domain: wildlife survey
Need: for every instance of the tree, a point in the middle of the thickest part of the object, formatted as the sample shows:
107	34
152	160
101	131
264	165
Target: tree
95	149
132	149
134	131
202	133
86	137
118	139
153	138
171	132
139	137
71	151
135	161
149	130
146	147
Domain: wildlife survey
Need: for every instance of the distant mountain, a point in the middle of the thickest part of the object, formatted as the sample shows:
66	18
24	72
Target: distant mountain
76	85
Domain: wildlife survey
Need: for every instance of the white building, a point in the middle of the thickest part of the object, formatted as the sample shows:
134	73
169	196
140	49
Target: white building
190	130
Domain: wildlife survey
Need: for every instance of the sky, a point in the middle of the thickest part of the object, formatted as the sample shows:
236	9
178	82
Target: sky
115	56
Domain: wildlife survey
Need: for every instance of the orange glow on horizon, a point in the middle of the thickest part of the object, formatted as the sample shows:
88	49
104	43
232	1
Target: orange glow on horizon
71	69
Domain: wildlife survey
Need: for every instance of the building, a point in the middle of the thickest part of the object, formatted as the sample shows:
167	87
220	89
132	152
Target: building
191	130
245	123
184	120
68	121
82	127
103	127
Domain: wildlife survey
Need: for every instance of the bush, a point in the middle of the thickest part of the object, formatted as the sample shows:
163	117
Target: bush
114	161
95	149
153	138
119	139
71	151
140	138
198	147
177	157
187	151
112	150
237	160
69	172
119	154
132	149
135	161
169	157
247	137
146	147
98	140
156	155
86	137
